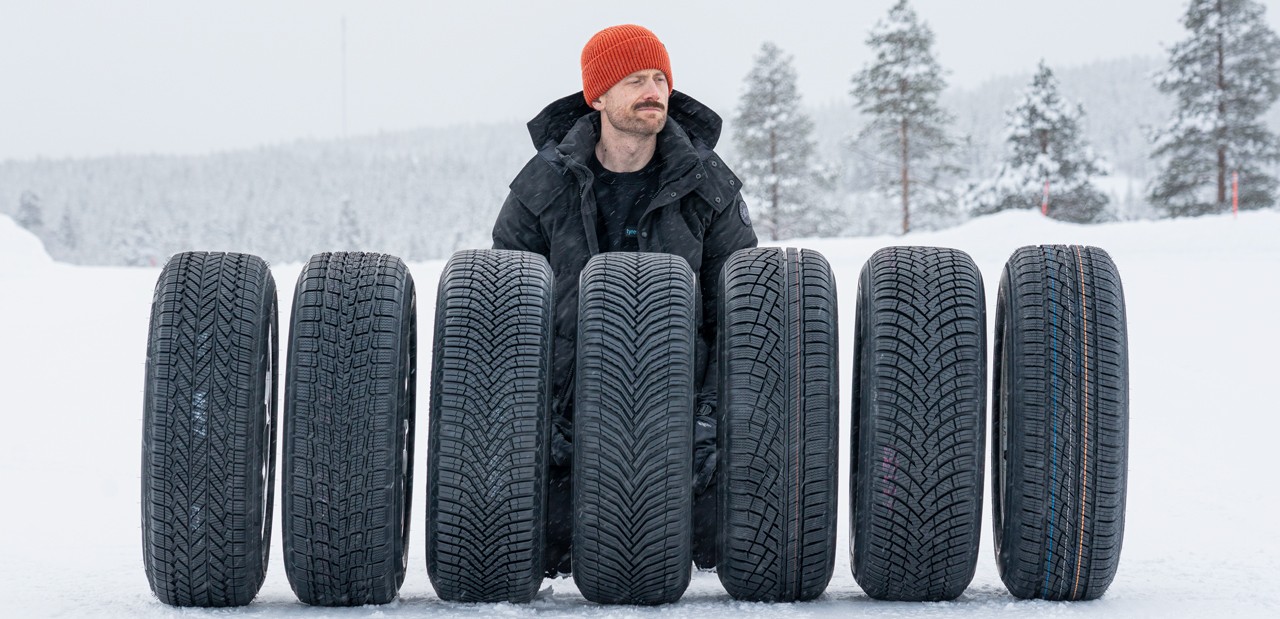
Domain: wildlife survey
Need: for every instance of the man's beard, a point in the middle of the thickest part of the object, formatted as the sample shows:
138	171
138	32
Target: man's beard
630	121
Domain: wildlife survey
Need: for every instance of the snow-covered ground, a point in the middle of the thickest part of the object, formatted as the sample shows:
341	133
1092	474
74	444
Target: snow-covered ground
1202	535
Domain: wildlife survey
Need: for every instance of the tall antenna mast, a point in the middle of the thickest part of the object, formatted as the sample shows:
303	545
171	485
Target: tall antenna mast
344	77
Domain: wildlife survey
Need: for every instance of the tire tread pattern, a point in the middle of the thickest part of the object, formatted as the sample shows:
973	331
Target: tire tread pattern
633	429
487	454
779	424
919	428
345	499
1060	483
205	513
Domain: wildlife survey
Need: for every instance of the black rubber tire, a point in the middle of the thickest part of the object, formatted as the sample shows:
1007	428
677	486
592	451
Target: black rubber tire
1060	390
208	441
348	429
633	429
917	441
778	426
487	445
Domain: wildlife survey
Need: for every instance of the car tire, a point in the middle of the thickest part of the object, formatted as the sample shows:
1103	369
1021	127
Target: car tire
350	394
778	443
633	429
487	445
1060	422
918	424
209	418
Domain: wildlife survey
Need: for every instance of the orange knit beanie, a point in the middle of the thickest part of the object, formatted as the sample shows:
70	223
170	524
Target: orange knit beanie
619	51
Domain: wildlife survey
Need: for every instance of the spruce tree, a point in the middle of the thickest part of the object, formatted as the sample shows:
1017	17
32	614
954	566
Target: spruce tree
30	214
1045	147
67	238
775	147
1224	77
899	91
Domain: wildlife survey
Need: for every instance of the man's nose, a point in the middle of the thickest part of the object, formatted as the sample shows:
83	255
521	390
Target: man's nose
652	90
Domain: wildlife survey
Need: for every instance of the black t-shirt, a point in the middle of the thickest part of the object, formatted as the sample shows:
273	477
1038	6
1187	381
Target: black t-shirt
621	198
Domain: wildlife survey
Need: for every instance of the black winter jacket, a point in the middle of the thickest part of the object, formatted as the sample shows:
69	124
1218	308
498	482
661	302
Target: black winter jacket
698	214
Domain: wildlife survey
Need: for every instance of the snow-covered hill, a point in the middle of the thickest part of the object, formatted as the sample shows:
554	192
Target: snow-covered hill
1202	537
19	249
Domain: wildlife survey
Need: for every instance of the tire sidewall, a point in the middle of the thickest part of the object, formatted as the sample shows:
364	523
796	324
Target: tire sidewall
860	419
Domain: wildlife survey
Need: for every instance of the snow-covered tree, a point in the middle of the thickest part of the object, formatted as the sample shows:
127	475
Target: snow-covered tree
1224	77
1045	148
775	147
899	92
348	230
67	237
136	245
30	214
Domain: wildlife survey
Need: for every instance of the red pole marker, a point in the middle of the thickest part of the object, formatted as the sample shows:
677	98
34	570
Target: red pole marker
1044	204
1235	194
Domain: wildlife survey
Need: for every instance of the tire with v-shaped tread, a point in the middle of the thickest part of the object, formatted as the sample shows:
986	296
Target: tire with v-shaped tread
487	445
633	429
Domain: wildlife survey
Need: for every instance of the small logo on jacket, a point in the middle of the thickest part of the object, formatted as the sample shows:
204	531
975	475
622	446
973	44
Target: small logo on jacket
742	212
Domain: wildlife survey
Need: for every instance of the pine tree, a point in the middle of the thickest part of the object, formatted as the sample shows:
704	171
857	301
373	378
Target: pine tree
30	213
899	90
1045	148
775	149
1224	78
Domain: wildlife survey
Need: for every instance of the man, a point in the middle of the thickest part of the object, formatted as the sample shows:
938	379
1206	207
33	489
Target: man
626	165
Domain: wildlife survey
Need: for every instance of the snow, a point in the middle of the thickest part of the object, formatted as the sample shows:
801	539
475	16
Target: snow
1201	537
20	249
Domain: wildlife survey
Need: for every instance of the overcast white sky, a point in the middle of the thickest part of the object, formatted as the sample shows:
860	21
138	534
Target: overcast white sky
89	77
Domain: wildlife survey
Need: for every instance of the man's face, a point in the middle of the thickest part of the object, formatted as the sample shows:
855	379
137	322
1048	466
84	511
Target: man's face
637	104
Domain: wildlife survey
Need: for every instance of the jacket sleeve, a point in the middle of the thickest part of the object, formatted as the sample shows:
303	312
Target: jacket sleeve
729	232
517	228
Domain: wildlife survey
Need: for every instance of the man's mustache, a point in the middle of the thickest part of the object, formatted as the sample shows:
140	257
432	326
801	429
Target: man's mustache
650	105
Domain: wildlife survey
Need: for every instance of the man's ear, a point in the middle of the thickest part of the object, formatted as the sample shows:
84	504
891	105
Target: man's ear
598	104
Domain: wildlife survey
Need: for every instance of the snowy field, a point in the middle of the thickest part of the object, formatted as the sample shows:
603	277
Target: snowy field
1202	536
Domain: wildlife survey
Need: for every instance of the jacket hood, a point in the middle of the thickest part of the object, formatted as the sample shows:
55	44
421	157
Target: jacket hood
554	121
